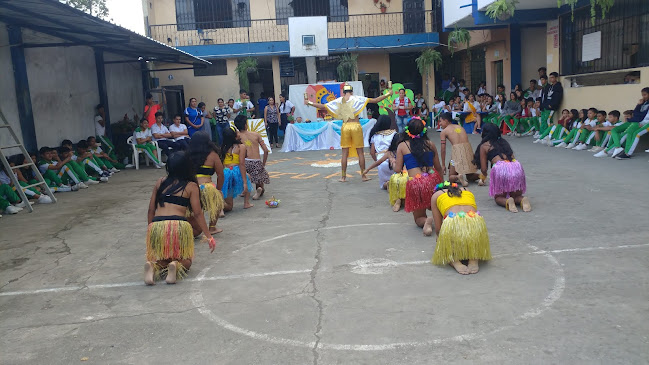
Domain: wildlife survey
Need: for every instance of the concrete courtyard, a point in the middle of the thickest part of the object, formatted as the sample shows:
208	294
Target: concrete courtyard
333	276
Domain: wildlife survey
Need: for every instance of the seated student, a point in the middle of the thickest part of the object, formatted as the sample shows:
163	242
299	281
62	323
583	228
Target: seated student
577	117
587	127
616	134
179	132
482	88
602	124
605	129
102	157
424	113
10	202
554	134
85	158
438	108
461	230
143	140
500	95
533	92
26	175
488	113
60	170
160	134
528	117
78	166
639	113
509	110
461	87
33	192
633	134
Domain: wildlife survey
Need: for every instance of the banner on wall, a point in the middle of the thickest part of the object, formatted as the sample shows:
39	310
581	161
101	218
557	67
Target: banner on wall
319	93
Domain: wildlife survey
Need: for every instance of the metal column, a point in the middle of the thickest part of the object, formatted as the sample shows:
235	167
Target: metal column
103	90
21	83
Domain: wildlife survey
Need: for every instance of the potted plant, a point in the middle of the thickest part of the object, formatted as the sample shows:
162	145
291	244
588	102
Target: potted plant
384	8
429	58
246	66
457	37
347	67
604	7
501	9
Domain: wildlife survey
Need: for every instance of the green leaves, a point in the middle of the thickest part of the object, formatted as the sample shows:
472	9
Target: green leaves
96	8
245	66
456	37
347	67
429	58
501	9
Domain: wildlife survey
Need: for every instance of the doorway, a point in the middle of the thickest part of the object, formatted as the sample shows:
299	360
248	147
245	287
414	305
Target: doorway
498	72
175	97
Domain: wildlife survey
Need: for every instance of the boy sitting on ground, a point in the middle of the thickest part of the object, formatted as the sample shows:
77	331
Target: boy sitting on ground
85	158
254	165
607	128
102	157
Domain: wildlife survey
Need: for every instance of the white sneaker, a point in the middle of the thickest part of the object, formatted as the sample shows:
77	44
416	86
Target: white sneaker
76	187
44	199
581	147
12	210
114	170
601	153
593	149
537	135
103	179
64	188
599	149
538	140
570	146
129	166
617	151
647	150
82	185
89	182
22	204
562	144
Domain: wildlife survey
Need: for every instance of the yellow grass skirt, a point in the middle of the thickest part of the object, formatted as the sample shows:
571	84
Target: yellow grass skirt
171	239
211	200
397	187
463	236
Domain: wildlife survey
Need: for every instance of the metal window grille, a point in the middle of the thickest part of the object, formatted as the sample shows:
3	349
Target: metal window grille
212	14
625	38
334	10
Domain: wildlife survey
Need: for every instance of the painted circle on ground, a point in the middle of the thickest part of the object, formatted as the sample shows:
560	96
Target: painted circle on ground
374	267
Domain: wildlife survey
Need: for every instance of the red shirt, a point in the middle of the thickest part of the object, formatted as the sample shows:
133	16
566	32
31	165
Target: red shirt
398	102
154	109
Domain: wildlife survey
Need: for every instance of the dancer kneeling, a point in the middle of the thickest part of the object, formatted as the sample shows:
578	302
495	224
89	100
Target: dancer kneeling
419	155
507	179
235	180
394	182
461	231
204	156
169	241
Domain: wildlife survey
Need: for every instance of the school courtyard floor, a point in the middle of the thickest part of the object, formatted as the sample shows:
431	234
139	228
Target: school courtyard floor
333	276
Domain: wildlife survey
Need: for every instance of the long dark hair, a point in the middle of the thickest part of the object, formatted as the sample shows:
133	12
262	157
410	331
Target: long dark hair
180	172
382	124
200	146
418	146
491	134
229	140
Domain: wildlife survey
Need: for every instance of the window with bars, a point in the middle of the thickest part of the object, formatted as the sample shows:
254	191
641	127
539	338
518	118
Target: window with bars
212	14
334	10
624	38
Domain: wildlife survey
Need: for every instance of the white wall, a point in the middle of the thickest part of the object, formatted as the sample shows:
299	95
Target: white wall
124	85
532	56
8	92
453	12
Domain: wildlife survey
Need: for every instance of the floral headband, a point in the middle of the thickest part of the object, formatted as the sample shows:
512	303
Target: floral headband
444	185
423	132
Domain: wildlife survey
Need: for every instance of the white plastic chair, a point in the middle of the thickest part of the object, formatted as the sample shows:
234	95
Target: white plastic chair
136	153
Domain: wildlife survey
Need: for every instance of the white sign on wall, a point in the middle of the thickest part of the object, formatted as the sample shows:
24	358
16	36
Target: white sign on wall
591	46
308	36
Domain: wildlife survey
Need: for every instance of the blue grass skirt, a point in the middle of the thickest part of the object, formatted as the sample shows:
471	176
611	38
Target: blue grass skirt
233	183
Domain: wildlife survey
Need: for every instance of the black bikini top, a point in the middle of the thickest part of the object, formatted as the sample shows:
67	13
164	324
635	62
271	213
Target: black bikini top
205	170
491	154
174	199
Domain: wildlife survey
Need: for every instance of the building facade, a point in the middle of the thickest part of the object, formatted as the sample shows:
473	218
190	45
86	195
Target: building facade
386	35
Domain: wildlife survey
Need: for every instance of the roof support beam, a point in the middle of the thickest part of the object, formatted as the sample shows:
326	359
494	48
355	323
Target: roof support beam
64	44
21	83
103	89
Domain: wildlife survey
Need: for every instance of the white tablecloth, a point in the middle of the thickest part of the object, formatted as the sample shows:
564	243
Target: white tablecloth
322	135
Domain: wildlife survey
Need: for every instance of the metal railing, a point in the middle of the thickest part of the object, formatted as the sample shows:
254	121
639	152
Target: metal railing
269	30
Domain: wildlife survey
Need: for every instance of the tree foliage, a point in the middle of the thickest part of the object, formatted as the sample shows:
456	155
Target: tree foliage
96	8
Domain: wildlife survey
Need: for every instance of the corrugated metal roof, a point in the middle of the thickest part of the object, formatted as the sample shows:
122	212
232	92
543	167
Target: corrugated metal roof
78	28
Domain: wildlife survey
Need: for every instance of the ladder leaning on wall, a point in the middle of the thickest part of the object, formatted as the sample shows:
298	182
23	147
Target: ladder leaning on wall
5	126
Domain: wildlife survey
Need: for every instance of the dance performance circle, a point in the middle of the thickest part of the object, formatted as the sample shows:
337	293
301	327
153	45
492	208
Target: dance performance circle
368	267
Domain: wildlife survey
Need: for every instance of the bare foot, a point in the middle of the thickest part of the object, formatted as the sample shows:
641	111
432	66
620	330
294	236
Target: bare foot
480	182
460	267
511	205
365	178
258	193
221	214
214	230
473	267
171	272
525	204
247	205
428	227
148	274
397	206
343	179
463	180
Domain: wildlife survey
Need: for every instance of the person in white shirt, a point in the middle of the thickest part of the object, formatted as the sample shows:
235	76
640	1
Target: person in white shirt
461	87
143	141
419	100
243	106
161	135
179	133
482	89
286	110
584	132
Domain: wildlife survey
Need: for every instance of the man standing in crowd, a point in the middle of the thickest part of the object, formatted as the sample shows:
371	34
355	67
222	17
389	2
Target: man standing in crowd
151	107
243	106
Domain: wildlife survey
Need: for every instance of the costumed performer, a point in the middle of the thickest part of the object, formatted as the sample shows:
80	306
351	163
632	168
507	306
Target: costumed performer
347	108
381	136
235	180
461	230
395	182
419	155
205	159
461	166
255	167
507	178
170	240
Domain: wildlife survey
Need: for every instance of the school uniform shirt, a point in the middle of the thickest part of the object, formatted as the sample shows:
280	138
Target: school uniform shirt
419	102
591	123
99	129
482	90
398	102
577	124
158	129
239	105
607	124
5	179
95	151
466	108
286	107
43	165
181	127
439	105
151	117
139	133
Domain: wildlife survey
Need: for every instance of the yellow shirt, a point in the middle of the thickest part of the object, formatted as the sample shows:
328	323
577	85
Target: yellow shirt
445	202
231	159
